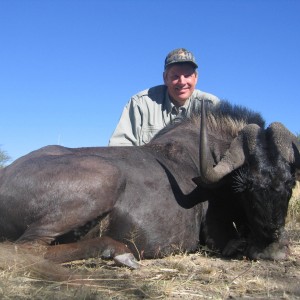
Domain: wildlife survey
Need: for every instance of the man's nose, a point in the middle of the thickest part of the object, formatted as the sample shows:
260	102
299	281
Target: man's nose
182	79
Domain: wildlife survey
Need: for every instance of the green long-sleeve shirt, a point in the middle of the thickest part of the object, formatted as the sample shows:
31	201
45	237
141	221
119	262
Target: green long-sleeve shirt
148	112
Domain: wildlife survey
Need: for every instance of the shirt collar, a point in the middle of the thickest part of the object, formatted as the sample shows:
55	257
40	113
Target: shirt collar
169	105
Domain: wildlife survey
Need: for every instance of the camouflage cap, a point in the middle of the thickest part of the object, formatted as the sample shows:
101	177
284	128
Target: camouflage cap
180	55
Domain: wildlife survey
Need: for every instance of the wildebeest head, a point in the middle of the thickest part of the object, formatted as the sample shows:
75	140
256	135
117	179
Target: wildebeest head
262	165
264	186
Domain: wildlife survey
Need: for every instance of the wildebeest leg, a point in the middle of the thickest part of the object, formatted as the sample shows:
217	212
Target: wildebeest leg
104	247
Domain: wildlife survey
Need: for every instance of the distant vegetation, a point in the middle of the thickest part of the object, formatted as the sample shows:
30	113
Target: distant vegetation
4	158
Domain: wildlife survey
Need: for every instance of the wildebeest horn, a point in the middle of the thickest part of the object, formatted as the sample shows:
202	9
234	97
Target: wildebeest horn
233	158
287	144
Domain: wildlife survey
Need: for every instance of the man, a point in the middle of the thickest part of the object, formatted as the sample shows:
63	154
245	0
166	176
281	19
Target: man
151	110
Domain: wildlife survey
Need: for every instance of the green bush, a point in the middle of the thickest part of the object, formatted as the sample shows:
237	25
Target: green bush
4	158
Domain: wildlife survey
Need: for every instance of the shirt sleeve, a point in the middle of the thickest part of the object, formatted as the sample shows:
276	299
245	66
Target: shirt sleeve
129	126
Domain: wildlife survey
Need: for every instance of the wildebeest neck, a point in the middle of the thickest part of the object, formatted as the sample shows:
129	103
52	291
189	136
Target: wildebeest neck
177	151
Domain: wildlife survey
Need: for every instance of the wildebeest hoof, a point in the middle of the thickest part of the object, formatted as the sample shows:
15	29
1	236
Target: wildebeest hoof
126	259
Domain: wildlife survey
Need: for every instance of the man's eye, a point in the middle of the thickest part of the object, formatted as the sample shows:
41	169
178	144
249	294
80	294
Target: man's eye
188	75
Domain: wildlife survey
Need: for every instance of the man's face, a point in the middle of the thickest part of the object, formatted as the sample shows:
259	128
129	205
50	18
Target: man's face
181	80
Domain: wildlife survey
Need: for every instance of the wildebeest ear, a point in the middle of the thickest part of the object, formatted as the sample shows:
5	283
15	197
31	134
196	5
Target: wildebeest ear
286	144
180	172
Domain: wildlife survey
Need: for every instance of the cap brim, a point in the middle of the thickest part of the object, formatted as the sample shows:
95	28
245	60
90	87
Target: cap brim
182	62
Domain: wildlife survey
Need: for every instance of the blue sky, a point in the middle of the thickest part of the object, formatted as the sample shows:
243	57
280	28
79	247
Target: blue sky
68	67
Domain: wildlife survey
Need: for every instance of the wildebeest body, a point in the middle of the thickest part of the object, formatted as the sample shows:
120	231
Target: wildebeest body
59	189
151	197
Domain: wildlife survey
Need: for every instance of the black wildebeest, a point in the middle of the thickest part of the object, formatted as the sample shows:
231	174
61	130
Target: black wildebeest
158	198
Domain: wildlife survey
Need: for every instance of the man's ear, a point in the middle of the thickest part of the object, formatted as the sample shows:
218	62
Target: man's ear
196	76
165	77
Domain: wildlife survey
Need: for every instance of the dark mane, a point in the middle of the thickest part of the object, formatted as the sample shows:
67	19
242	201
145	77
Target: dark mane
237	112
223	115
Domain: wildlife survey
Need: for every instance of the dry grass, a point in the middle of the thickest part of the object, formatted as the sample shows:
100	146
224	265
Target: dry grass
294	207
185	276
